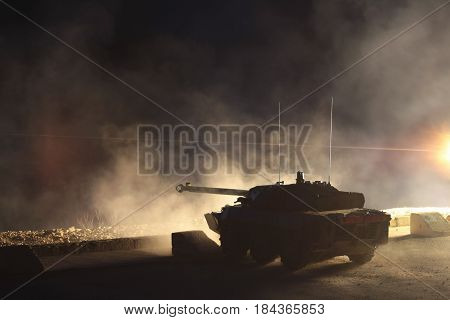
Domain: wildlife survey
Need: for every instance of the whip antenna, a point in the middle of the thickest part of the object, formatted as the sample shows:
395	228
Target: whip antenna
279	142
331	139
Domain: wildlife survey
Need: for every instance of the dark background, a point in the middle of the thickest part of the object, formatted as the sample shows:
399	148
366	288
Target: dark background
215	62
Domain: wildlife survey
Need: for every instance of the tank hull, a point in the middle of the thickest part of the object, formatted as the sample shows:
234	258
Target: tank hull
300	237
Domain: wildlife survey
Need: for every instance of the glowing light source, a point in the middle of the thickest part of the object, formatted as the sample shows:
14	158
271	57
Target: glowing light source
446	151
441	154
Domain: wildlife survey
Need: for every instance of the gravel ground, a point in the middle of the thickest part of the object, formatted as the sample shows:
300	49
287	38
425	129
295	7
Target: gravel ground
70	235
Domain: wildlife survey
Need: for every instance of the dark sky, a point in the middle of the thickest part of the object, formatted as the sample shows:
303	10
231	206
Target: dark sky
245	52
217	62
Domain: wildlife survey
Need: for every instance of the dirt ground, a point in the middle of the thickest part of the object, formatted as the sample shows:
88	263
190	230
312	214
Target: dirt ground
416	269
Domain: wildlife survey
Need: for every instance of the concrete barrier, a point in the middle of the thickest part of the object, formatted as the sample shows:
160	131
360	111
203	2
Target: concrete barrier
400	221
429	224
193	244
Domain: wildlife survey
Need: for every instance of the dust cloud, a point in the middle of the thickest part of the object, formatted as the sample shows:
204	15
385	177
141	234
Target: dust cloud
67	128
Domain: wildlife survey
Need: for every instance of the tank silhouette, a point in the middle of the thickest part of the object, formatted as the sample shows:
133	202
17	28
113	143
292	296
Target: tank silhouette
301	222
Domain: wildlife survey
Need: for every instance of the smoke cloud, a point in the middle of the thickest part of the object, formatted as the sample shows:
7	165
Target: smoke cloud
216	63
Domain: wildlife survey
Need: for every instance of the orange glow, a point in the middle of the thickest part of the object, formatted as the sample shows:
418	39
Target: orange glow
446	153
440	154
445	150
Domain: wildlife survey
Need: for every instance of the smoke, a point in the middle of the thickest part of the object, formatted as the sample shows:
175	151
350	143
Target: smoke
214	65
119	192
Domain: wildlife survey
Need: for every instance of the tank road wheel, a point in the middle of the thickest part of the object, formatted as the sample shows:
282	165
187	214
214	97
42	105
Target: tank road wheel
233	247
294	256
362	258
262	255
293	261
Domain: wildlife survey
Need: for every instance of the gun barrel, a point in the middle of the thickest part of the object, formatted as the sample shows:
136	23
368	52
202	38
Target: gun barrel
230	192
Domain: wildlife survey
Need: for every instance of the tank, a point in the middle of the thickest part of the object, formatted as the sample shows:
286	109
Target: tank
301	222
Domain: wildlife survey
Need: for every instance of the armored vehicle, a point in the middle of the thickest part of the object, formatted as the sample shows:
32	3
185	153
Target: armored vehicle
301	222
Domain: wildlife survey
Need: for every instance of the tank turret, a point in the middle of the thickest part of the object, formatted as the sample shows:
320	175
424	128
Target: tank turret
300	196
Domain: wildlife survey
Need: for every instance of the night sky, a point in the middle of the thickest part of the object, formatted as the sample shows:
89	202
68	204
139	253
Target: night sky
217	62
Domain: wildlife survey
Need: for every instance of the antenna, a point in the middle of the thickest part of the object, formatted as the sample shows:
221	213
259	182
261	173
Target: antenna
279	142
331	138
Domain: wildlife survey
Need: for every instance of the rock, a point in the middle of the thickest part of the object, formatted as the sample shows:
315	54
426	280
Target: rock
19	260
